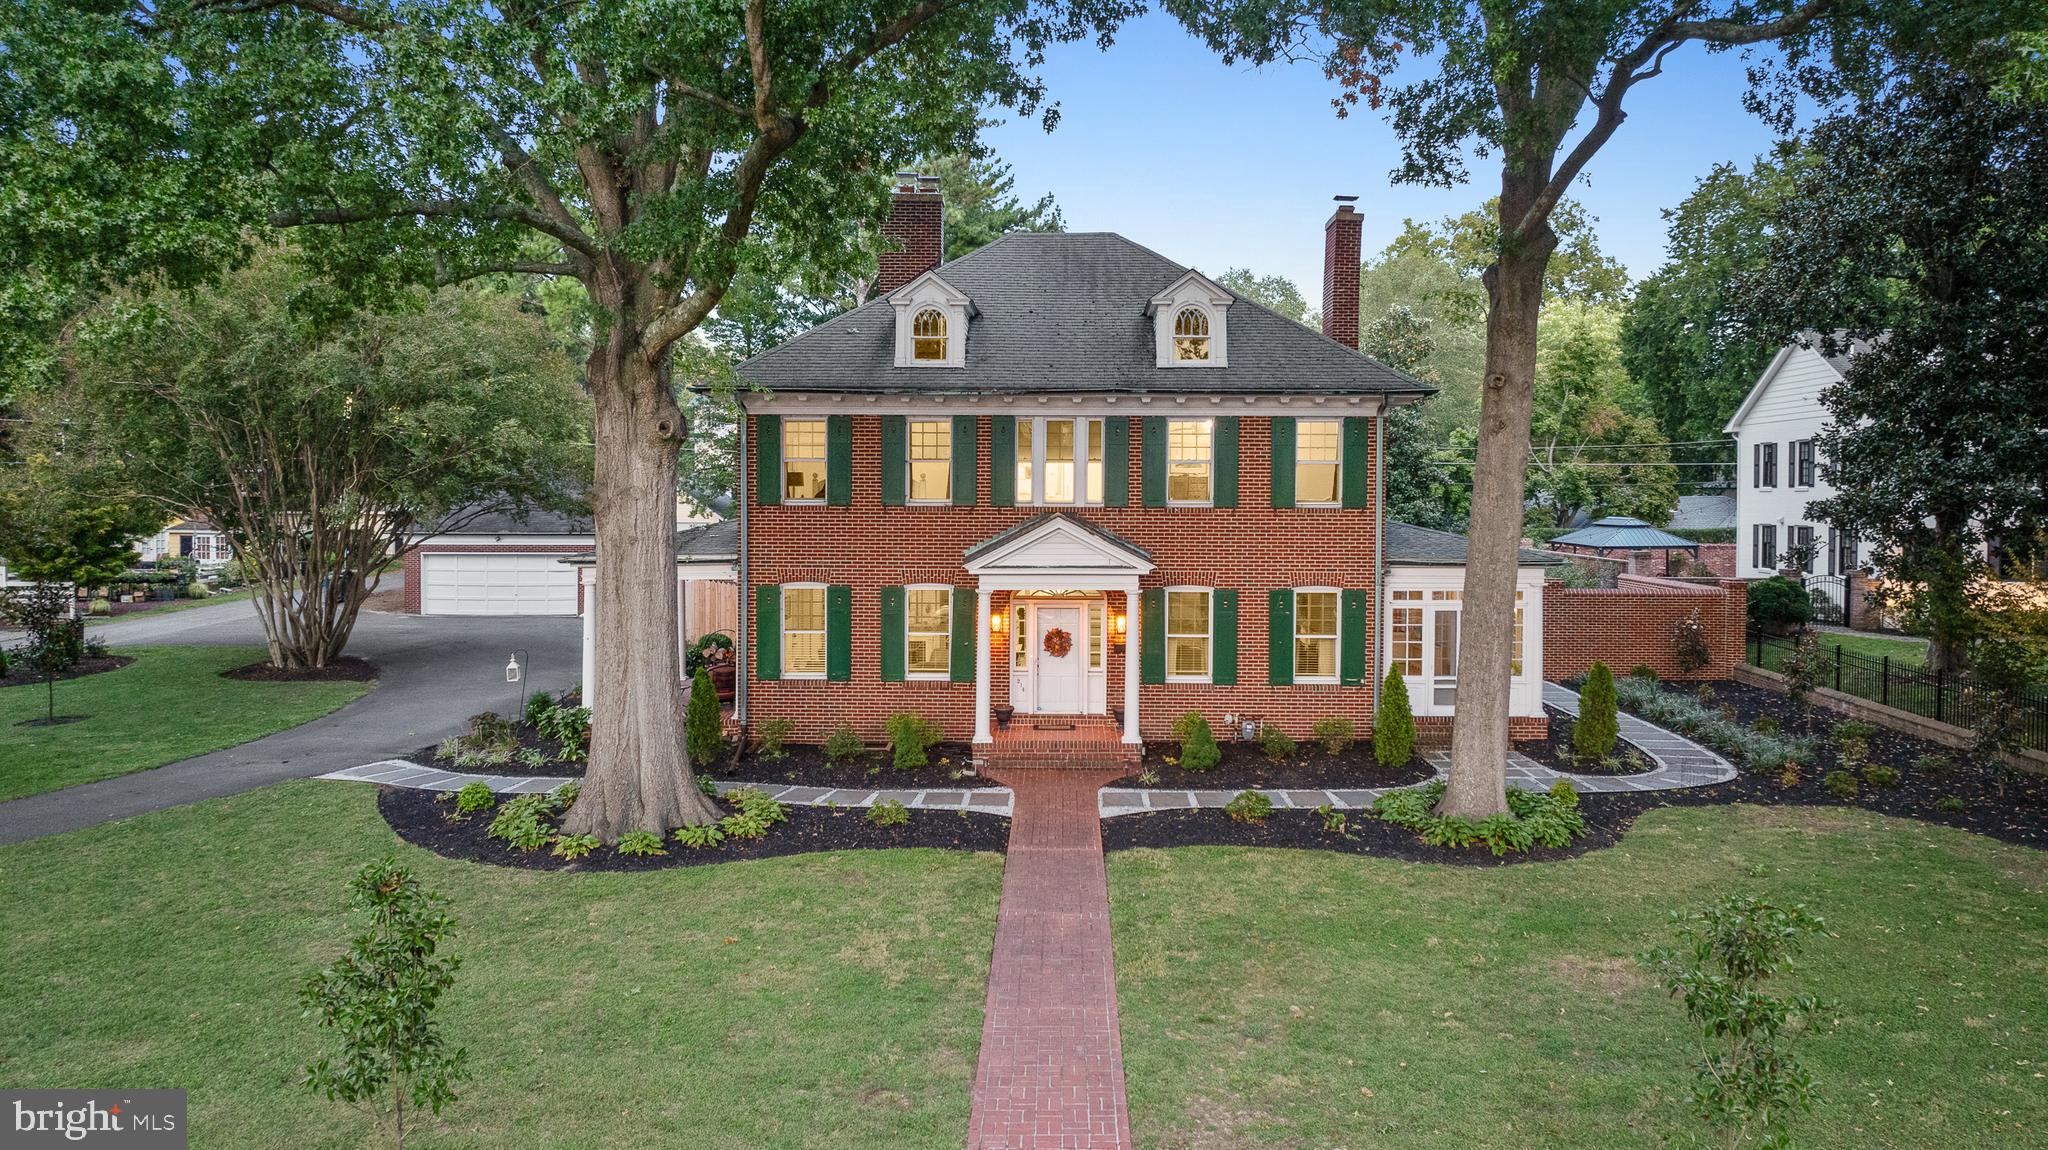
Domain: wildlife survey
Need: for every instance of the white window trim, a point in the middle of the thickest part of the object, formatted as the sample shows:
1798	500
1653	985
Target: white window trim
929	676
1192	290
1336	638
1298	500
782	621
929	291
1208	637
1209	499
910	461
1794	450
824	461
1084	436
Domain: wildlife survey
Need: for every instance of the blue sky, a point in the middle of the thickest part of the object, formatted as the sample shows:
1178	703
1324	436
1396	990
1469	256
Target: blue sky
1219	166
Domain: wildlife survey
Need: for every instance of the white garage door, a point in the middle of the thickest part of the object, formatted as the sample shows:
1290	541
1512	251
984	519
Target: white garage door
496	585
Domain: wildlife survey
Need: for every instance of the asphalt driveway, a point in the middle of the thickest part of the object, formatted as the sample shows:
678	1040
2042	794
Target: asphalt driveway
433	673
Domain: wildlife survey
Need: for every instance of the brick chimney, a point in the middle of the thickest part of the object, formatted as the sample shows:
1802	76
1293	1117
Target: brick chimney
916	228
1341	238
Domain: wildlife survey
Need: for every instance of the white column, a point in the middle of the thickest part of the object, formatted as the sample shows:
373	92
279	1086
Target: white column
589	575
981	667
1131	649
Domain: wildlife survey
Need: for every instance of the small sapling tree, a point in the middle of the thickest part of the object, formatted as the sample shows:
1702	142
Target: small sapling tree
1599	726
1393	723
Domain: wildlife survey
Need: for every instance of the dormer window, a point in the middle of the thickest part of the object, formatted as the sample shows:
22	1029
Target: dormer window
1191	334
928	336
1191	323
931	323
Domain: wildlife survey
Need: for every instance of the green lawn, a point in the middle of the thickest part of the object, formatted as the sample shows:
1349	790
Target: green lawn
170	704
1905	653
1295	999
817	1001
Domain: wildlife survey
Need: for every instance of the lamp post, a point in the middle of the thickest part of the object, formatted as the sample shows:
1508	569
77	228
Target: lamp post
515	672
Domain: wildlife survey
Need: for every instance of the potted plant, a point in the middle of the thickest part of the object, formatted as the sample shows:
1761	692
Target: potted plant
714	654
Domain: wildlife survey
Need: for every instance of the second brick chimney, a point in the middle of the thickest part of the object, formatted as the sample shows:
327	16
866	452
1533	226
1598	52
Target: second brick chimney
1341	239
916	230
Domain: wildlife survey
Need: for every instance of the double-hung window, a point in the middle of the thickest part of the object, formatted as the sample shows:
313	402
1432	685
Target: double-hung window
1799	546
803	632
1318	462
928	632
803	461
931	460
1763	467
1059	461
1801	463
1190	460
1187	635
1315	636
1763	546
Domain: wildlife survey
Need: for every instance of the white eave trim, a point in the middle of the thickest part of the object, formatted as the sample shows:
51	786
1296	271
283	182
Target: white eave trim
1306	405
1763	383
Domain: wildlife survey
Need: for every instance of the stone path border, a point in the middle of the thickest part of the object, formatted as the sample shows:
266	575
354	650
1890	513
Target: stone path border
1680	763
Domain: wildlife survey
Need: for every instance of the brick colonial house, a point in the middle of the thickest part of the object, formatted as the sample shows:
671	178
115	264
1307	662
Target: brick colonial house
1066	483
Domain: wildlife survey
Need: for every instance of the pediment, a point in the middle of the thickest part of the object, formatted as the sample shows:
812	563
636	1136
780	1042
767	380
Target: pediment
1057	543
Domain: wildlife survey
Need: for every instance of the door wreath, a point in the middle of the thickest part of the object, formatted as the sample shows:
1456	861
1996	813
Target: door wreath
1058	643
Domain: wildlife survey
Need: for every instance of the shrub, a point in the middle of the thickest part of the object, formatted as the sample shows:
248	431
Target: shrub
1198	749
1880	775
1840	784
843	745
1248	807
97	607
757	813
1689	643
1765	725
772	734
1789	777
526	822
1641	671
1549	819
1335	734
1276	744
1393	723
910	735
197	590
532	757
888	813
1801	669
640	844
489	731
703	727
1779	603
450	748
474	797
538	705
1949	805
1598	726
1334	820
380	999
1748	1082
697	838
570	725
573	847
1935	766
1705	694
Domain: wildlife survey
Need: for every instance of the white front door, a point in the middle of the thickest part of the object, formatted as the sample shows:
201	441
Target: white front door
1060	681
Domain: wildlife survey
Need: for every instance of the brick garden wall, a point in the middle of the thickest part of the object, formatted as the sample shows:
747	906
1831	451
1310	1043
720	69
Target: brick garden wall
1632	624
1251	549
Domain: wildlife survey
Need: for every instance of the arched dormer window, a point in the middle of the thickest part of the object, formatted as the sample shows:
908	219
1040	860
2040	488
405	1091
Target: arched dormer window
1191	334
928	336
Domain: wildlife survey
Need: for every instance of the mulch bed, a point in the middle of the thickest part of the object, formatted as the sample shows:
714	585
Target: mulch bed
1245	767
347	669
1555	751
804	765
19	674
421	821
549	768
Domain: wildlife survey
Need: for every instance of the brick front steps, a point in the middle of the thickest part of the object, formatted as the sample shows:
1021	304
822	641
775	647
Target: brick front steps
1040	741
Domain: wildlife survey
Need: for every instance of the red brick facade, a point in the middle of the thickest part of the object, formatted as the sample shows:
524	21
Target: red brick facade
411	563
1341	240
1252	549
917	224
1633	624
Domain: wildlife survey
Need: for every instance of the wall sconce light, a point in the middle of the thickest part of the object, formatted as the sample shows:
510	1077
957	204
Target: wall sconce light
997	620
1119	627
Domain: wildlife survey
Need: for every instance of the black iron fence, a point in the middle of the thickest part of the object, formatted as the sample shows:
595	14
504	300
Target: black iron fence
1939	695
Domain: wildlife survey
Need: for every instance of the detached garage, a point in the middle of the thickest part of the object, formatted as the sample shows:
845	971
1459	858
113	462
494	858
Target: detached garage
499	564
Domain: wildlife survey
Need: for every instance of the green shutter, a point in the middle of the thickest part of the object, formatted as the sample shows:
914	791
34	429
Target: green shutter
1223	638
1357	459
1226	461
1002	460
1351	639
1152	635
892	634
839	460
1280	637
767	632
1283	461
895	436
966	467
839	633
768	460
1116	462
966	633
1152	453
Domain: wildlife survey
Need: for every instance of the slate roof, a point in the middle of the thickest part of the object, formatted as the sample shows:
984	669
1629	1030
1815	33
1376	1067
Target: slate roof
1621	533
1064	312
523	523
708	542
1037	521
1412	546
1703	513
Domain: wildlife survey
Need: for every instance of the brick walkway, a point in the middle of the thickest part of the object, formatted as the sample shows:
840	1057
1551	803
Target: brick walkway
1052	1066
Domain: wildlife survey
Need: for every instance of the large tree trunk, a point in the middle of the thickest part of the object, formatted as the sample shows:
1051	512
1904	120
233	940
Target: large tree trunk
639	774
1477	786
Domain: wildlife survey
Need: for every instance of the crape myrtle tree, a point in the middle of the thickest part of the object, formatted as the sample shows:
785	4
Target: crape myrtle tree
1536	88
640	150
1919	238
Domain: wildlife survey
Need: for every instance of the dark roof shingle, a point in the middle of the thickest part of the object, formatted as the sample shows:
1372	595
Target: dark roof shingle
1412	546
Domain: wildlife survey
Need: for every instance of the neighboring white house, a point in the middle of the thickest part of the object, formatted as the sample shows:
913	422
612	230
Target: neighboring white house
1777	430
